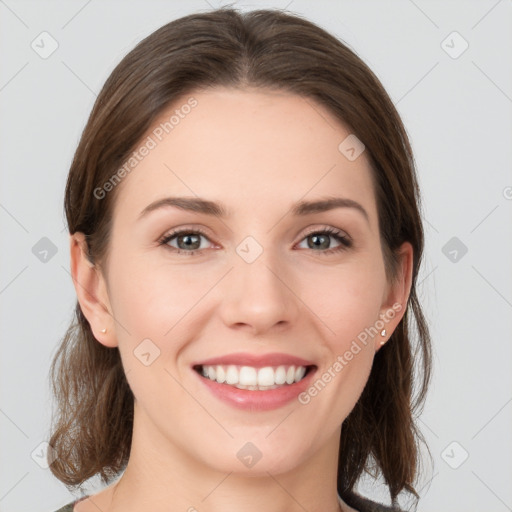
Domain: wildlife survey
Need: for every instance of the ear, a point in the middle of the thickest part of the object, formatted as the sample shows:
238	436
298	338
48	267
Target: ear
396	294
91	291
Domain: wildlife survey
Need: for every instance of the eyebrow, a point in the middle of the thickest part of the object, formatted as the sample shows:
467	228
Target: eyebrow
301	208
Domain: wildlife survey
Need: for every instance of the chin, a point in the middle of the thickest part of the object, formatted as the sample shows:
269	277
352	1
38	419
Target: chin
256	459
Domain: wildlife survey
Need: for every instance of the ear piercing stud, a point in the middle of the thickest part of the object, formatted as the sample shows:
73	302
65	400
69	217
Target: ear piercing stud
383	334
104	330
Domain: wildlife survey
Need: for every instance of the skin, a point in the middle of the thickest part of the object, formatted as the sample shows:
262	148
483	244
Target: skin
257	152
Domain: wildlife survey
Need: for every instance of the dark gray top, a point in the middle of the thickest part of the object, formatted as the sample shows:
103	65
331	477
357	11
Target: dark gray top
353	500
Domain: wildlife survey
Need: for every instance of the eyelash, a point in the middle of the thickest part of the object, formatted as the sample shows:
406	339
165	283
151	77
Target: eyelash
345	242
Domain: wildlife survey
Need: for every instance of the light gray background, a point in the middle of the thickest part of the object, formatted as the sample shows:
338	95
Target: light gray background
458	114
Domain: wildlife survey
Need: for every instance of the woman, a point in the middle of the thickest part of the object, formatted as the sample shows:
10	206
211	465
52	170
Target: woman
245	239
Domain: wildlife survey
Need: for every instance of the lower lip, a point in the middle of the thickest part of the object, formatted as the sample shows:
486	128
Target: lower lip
257	400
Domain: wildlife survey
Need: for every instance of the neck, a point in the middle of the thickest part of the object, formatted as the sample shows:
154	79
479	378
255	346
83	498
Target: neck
178	482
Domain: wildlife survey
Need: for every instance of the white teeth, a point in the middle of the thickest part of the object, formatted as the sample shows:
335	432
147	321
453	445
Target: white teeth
232	375
299	373
266	376
280	377
221	374
248	377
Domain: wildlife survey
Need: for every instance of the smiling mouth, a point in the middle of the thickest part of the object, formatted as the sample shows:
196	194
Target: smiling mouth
252	378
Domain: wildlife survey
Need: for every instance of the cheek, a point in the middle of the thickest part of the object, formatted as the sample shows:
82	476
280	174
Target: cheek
153	307
149	300
346	299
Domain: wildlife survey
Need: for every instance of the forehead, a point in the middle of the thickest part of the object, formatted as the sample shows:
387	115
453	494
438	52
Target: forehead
245	148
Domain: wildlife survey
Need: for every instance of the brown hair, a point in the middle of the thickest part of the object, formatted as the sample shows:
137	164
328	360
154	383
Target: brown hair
267	49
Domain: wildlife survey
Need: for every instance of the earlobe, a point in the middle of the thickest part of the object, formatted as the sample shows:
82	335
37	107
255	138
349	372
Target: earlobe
397	295
91	291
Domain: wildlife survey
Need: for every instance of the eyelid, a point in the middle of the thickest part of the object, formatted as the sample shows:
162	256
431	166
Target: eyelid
346	242
309	230
181	231
316	229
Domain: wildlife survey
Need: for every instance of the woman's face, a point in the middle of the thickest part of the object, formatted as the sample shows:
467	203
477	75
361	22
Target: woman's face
258	287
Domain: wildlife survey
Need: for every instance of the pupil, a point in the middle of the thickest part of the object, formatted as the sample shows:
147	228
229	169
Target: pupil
316	238
187	244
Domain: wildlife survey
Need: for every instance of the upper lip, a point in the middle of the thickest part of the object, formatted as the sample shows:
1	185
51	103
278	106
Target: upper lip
257	361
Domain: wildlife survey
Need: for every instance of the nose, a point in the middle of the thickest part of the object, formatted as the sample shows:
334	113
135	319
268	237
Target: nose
258	297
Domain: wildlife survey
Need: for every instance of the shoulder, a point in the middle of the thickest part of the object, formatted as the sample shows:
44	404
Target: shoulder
363	504
70	506
66	508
